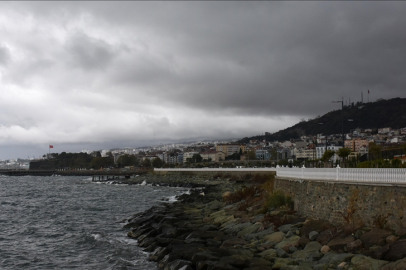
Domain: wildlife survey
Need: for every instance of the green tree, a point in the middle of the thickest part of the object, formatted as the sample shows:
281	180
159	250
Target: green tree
197	158
327	156
375	150
146	163
251	155
157	162
128	160
101	162
343	153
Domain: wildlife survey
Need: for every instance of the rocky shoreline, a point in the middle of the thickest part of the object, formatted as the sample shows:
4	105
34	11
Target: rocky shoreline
201	231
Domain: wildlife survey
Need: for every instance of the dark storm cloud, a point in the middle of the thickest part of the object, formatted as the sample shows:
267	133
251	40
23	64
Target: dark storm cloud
268	58
88	53
85	72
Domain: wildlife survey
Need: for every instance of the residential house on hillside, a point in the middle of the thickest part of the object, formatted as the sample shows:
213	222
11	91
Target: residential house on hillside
229	149
213	156
356	144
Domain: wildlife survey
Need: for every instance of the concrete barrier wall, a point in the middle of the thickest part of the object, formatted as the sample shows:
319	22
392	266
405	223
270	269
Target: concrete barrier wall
354	204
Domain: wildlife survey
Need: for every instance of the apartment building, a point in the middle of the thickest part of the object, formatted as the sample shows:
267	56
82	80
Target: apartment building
229	149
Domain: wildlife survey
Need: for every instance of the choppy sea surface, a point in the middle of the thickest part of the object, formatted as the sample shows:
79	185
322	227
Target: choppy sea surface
72	223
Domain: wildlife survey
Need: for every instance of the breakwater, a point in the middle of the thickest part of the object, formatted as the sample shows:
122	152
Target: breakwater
205	231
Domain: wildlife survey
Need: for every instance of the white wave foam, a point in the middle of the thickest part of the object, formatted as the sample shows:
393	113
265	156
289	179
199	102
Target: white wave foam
96	236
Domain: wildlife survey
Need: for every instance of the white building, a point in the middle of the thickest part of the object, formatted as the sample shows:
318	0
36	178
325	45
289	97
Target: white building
321	149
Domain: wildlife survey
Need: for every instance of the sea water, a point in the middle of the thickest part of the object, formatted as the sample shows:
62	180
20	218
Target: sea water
64	222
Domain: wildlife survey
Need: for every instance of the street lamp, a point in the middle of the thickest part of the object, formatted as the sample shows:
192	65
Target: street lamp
342	119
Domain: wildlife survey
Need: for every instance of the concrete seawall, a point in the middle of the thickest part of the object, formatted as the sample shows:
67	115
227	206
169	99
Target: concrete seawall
339	203
381	206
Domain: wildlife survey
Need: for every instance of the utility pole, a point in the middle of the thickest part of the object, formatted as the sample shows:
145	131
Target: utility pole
342	117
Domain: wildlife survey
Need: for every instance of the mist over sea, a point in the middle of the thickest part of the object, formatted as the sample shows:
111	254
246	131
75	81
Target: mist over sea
72	223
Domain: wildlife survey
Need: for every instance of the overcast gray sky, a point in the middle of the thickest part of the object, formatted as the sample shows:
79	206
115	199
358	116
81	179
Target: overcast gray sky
97	75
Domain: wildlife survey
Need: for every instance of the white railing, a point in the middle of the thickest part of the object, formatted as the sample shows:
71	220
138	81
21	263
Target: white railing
370	175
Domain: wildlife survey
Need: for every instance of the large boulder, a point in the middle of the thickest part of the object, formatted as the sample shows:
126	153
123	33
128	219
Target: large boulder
324	237
375	237
269	254
340	244
333	259
215	205
233	242
397	251
398	265
288	242
363	262
249	230
274	238
354	246
311	248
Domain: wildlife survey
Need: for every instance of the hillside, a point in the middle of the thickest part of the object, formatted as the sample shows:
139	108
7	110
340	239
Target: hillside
374	115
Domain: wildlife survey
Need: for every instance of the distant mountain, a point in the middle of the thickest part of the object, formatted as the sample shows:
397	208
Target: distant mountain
374	115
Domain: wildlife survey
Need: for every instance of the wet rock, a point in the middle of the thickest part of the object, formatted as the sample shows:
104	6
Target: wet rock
275	238
325	249
303	241
375	237
289	234
355	246
259	262
230	243
281	253
325	237
158	254
380	252
285	228
239	261
398	265
249	230
288	242
313	235
311	248
269	254
282	262
333	259
340	244
361	261
261	234
215	205
397	251
391	238
178	264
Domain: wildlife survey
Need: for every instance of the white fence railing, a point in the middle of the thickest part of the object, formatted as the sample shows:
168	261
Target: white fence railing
370	175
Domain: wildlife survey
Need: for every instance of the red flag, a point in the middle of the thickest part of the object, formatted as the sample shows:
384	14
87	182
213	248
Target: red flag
51	146
368	91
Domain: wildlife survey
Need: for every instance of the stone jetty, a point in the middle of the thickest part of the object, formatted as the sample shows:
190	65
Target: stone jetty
205	230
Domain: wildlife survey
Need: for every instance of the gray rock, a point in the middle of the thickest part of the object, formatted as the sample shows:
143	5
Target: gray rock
285	228
289	234
249	230
258	218
361	261
313	235
260	235
215	205
281	253
177	265
335	259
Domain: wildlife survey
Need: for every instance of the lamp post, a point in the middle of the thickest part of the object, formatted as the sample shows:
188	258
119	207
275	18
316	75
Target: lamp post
342	119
